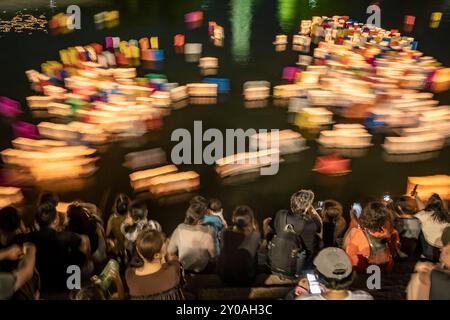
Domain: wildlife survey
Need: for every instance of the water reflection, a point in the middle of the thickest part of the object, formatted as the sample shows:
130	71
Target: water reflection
312	3
241	21
287	14
346	152
407	158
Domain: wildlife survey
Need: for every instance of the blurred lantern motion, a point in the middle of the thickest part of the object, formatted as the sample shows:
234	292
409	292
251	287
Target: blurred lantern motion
333	165
23	22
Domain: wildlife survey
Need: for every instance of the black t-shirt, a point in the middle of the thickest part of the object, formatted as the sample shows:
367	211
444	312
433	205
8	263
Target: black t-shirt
237	262
55	251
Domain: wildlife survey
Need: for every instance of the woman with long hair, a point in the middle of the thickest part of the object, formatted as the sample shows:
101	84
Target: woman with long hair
83	222
434	218
116	239
237	261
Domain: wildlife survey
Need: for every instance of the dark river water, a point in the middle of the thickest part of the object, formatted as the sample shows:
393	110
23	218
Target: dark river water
248	54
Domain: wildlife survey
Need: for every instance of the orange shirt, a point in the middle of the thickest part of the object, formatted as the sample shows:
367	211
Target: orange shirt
357	246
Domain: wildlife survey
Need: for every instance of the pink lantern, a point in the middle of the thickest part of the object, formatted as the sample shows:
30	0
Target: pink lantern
193	16
109	42
9	108
289	73
25	130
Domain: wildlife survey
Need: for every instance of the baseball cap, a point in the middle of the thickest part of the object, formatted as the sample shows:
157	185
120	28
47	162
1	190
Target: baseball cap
333	263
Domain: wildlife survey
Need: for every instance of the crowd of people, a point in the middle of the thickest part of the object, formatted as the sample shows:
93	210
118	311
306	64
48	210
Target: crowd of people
128	256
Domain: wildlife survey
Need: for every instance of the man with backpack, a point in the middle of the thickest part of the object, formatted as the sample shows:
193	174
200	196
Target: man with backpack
293	236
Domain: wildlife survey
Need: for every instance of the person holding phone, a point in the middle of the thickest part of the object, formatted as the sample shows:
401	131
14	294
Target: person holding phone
407	225
434	218
373	241
355	213
293	236
332	277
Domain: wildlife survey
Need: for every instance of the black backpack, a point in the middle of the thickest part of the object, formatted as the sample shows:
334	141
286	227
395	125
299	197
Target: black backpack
286	251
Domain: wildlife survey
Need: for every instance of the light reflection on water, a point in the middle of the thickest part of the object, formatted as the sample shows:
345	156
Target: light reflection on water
287	14
241	23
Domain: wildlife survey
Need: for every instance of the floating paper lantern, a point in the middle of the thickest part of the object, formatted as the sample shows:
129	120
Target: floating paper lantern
193	48
414	144
178	93
304	60
209	62
179	182
435	19
301	40
193	16
144	44
223	84
289	73
332	165
152	55
211	25
313	117
287	141
410	20
109	42
141	180
427	185
218	33
112	15
193	19
287	91
280	39
256	90
9	108
10	196
345	136
244	162
202	89
25	130
436	16
178	40
154	42
134	52
116	42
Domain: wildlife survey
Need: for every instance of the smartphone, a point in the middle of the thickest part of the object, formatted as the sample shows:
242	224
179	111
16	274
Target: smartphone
357	209
313	283
319	204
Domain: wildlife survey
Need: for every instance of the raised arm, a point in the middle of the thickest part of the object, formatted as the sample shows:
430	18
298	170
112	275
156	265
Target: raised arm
26	266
